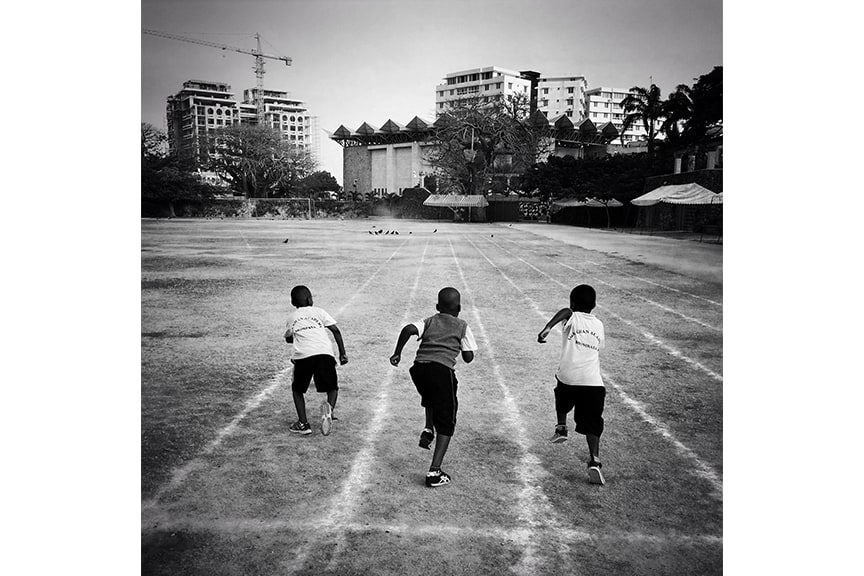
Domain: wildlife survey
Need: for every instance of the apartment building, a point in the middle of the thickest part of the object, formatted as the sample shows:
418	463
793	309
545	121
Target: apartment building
203	106
562	95
604	105
483	85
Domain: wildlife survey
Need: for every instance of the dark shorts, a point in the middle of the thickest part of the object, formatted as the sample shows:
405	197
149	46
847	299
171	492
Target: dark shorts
587	405
322	367
436	384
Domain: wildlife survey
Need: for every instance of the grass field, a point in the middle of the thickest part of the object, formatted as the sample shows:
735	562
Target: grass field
226	489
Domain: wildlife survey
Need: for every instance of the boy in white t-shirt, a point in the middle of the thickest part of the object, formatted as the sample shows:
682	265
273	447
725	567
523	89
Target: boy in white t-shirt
580	387
313	358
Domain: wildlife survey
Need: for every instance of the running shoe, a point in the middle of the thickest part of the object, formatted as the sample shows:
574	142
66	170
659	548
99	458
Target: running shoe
595	476
301	428
435	478
326	418
560	434
426	438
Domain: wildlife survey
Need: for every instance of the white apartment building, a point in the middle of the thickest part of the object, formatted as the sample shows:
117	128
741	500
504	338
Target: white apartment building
604	105
481	85
202	106
562	95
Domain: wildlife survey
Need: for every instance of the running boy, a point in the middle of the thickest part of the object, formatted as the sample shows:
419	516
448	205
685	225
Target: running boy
580	387
442	338
313	357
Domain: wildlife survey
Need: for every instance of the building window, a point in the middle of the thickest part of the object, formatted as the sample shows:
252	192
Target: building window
569	113
509	85
545	90
570	90
498	85
569	101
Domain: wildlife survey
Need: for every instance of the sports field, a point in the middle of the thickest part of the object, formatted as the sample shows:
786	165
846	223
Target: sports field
226	489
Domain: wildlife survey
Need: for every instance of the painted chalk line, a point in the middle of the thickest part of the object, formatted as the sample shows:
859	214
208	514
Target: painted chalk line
628	292
703	469
179	475
531	496
237	526
342	506
647	335
647	281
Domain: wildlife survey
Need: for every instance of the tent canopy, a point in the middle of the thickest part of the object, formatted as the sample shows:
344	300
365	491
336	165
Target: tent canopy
456	200
591	203
679	194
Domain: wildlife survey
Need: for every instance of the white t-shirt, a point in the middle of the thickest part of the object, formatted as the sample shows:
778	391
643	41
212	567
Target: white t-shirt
308	327
582	338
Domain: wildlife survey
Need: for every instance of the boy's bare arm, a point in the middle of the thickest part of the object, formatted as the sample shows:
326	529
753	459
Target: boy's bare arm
559	316
467	356
289	338
337	335
407	332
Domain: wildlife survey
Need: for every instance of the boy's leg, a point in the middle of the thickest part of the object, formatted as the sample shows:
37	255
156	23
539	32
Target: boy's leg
441	445
331	397
593	447
300	404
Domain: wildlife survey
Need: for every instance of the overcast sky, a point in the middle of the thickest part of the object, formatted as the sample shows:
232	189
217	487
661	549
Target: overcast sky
358	61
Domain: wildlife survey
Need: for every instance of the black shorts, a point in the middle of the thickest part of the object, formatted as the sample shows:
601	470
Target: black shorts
587	405
322	367
436	384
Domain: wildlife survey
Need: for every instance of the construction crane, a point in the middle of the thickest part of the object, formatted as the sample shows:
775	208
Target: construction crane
259	62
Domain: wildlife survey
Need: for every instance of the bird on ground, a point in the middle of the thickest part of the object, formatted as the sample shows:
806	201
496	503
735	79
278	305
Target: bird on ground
492	235
435	230
285	241
370	232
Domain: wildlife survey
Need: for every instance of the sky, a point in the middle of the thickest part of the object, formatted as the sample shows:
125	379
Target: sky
356	61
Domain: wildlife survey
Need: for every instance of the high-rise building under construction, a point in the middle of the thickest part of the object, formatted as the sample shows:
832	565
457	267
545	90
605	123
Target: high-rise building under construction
202	106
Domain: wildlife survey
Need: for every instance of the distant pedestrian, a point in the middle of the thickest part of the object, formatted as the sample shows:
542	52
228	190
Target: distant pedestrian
313	357
442	337
579	384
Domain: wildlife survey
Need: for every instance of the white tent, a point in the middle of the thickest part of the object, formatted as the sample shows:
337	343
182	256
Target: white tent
591	203
456	200
679	194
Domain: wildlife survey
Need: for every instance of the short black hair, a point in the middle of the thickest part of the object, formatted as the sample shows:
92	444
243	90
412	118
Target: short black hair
449	298
583	298
300	294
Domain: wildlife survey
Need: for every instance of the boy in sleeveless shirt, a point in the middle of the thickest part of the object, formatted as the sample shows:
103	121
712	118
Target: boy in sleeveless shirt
442	337
580	387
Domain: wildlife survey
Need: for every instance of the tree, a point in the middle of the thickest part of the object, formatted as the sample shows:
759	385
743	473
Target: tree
643	105
478	140
707	104
164	179
320	181
256	160
677	110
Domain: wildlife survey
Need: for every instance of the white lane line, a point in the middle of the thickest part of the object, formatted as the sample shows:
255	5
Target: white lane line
647	335
703	469
179	475
345	504
233	526
533	506
617	271
625	291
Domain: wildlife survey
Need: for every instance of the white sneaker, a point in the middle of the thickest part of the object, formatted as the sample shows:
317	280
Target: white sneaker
595	476
326	418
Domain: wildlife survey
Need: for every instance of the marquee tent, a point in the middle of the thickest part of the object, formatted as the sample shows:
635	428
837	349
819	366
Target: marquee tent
679	194
456	200
590	203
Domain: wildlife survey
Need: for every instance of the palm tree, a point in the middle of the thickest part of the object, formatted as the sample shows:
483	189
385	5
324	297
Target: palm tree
643	105
676	109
